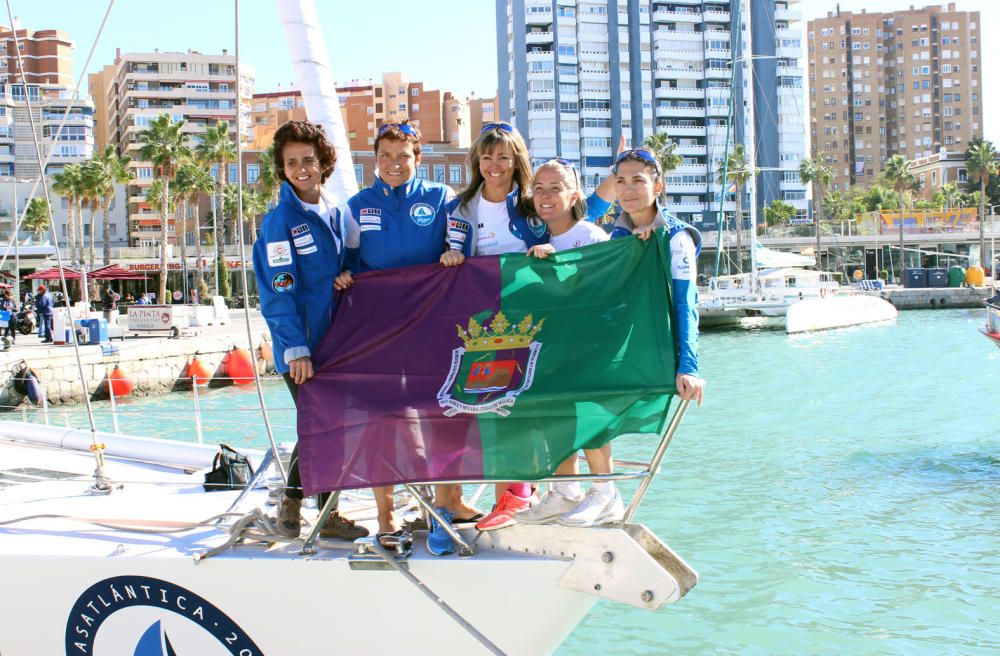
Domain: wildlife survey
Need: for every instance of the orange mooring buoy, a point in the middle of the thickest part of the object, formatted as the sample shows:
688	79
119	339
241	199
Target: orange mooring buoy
198	373
119	382
239	366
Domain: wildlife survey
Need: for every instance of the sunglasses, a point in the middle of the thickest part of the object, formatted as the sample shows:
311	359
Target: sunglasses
497	125
405	128
638	153
569	165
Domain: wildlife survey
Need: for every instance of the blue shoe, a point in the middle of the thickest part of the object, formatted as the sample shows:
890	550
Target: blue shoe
439	543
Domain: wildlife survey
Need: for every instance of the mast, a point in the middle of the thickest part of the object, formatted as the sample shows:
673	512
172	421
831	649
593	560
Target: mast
751	148
312	70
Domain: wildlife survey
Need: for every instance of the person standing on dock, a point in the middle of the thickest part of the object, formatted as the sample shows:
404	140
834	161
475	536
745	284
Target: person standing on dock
45	305
8	304
298	255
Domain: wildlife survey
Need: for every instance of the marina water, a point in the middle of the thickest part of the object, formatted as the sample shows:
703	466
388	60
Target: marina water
837	492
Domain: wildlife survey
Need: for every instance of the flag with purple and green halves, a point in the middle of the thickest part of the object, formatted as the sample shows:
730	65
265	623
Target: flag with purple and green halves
499	368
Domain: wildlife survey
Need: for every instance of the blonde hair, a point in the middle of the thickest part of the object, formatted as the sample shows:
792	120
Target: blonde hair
493	140
579	209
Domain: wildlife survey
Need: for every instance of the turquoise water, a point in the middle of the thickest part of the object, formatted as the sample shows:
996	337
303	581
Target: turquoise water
837	493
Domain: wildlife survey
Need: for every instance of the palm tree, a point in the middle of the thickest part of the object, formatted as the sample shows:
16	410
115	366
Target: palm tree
267	180
737	169
191	181
813	170
664	148
838	206
217	148
981	162
90	194
166	147
254	204
36	216
951	197
66	183
899	173
108	168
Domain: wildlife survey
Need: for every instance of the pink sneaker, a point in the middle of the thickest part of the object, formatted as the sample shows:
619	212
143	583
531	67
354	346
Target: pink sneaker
503	514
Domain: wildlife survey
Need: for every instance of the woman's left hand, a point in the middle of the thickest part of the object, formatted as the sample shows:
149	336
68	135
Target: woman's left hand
541	251
690	388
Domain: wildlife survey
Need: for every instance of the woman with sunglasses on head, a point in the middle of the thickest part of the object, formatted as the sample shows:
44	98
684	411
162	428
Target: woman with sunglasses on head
639	183
399	221
493	216
558	201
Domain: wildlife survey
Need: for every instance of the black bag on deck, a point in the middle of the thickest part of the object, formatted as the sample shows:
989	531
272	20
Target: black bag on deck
231	470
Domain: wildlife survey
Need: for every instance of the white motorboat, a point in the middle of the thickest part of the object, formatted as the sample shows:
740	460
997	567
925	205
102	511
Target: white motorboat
838	311
762	299
991	329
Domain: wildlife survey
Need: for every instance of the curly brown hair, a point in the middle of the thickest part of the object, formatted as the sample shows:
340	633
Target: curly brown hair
308	133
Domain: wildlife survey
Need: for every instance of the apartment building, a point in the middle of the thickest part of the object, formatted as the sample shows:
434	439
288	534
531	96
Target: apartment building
576	76
440	162
269	111
481	111
200	89
48	76
47	57
880	84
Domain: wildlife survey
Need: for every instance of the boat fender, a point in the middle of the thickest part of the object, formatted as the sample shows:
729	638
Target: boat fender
197	372
239	366
26	383
119	383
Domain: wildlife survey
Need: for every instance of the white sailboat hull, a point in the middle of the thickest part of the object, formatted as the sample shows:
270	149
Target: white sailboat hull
837	312
79	579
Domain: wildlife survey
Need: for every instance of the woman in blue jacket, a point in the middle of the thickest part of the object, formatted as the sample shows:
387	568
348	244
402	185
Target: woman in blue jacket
298	255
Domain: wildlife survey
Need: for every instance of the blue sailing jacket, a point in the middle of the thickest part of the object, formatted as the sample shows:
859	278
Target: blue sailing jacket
296	259
683	268
405	226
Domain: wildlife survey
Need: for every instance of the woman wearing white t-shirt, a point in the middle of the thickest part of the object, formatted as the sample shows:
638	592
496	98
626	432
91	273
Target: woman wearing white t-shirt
495	214
559	202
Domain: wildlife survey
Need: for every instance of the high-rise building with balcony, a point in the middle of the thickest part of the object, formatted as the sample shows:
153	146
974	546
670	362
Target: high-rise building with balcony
906	82
577	75
199	89
48	75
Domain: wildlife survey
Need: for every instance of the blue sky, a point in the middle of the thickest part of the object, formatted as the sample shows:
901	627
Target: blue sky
448	44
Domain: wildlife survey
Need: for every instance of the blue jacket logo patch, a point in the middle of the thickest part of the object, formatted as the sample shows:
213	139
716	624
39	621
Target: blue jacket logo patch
283	282
422	214
536	225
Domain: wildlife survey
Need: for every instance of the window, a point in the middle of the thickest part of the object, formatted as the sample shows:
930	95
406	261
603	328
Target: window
415	107
439	173
253	173
359	173
415	91
422	172
231	172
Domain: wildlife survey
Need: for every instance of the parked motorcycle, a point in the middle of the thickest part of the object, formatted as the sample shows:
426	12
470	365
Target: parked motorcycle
25	319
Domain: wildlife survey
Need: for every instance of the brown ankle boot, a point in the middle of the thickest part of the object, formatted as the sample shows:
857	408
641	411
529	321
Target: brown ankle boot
289	519
338	526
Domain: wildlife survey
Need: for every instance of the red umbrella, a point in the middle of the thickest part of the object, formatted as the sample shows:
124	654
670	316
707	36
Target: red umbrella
115	272
53	274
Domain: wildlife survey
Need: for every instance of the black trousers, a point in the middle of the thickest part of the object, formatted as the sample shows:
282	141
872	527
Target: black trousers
294	489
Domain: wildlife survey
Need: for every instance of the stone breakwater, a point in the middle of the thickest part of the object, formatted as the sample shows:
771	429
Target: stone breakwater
156	365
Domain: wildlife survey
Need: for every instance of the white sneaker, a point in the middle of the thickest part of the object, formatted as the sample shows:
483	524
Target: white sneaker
553	505
595	509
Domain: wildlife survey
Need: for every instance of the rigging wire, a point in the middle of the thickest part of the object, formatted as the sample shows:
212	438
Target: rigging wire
102	485
242	242
18	220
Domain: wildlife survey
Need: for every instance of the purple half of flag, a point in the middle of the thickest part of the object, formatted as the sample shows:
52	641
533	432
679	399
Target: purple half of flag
371	414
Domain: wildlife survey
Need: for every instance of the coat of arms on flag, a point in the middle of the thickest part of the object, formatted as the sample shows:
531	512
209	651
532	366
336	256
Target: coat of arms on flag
494	365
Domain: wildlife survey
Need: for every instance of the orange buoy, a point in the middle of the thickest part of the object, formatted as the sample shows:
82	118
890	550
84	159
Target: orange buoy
197	372
119	382
239	366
